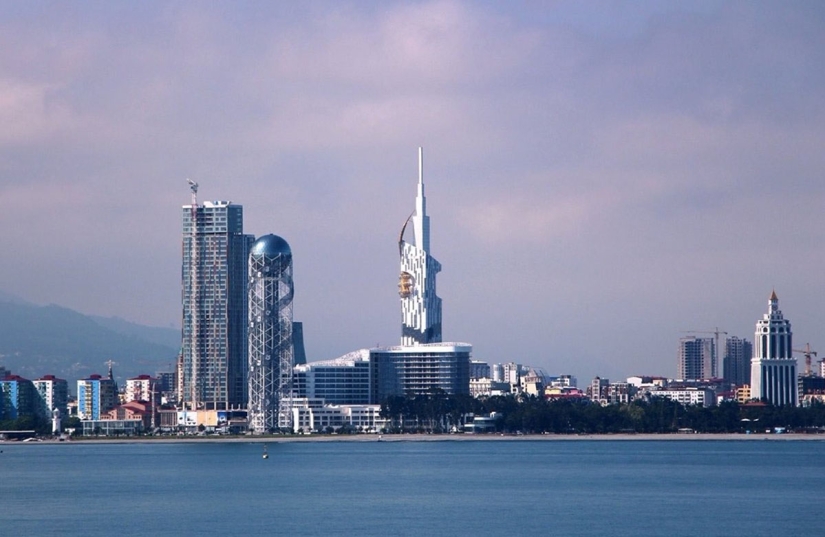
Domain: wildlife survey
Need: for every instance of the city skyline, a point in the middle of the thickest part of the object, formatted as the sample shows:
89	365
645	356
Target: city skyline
603	178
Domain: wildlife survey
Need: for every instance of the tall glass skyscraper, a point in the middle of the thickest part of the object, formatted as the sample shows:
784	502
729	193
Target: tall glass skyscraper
420	306
214	300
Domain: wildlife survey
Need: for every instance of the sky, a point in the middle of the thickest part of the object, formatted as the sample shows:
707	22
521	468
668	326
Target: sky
601	176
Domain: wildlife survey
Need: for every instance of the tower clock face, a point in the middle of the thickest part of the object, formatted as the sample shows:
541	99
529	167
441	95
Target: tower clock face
406	283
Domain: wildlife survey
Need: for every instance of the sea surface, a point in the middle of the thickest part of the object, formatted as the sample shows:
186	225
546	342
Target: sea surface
582	487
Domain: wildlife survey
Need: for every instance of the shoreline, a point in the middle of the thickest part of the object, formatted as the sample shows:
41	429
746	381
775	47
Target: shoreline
671	437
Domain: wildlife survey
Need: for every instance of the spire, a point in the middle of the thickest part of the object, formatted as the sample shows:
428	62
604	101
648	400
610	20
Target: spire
773	295
773	302
421	222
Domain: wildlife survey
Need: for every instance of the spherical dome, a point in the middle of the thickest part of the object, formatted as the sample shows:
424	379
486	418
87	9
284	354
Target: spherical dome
270	246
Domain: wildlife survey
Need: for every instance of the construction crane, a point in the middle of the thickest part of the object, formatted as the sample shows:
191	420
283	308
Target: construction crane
715	332
193	186
807	353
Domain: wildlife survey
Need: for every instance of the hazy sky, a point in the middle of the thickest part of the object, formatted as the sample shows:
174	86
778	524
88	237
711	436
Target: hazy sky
600	175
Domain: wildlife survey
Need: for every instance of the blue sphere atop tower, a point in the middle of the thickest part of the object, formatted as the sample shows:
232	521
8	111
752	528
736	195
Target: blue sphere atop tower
270	246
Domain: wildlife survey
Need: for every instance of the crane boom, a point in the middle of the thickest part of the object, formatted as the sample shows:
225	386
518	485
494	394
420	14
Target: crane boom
715	332
807	353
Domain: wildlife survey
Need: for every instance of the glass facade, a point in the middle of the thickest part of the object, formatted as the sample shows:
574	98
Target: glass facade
214	303
422	369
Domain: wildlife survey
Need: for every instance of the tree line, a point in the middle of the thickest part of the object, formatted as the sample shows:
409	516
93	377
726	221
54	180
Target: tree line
439	413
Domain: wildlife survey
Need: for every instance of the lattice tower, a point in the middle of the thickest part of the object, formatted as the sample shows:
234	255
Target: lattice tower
270	339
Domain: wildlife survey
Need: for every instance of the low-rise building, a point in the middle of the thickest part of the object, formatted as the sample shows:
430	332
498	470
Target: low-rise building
312	415
555	393
688	396
479	369
482	424
487	387
811	389
597	391
620	392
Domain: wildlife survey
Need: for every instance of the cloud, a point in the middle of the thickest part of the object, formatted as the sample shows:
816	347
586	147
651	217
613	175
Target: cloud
594	186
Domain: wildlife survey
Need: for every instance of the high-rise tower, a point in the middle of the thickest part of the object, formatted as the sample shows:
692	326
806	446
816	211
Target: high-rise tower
420	306
214	300
270	334
697	356
773	367
736	365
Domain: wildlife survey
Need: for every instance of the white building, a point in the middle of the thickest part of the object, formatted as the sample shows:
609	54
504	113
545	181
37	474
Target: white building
420	306
139	389
512	373
642	383
488	387
562	381
312	415
597	391
497	372
773	367
54	394
688	396
344	380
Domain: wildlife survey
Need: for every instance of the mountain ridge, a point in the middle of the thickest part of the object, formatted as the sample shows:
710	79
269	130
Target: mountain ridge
40	340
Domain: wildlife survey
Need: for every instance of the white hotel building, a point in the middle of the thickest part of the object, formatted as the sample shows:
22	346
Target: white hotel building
773	367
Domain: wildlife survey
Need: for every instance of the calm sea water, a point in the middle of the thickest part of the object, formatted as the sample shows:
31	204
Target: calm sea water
754	488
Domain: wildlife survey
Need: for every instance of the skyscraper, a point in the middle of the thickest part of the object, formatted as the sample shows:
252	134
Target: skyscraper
773	367
214	300
420	306
270	334
697	357
737	363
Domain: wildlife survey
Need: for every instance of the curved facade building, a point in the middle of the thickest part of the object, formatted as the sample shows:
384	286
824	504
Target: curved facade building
420	306
270	334
773	367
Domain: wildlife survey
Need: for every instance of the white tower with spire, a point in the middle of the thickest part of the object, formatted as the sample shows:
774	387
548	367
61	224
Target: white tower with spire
773	367
420	306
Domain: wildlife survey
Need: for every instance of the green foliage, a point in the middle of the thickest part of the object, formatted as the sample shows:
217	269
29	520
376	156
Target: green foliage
39	425
439	412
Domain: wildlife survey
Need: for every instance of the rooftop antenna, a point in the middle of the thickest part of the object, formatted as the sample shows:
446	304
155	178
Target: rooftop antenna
193	186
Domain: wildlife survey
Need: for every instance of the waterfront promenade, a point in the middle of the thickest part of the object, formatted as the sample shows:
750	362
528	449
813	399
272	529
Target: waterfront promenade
274	439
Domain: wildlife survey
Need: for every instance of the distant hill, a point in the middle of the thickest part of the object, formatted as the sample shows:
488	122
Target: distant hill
168	337
12	299
41	340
